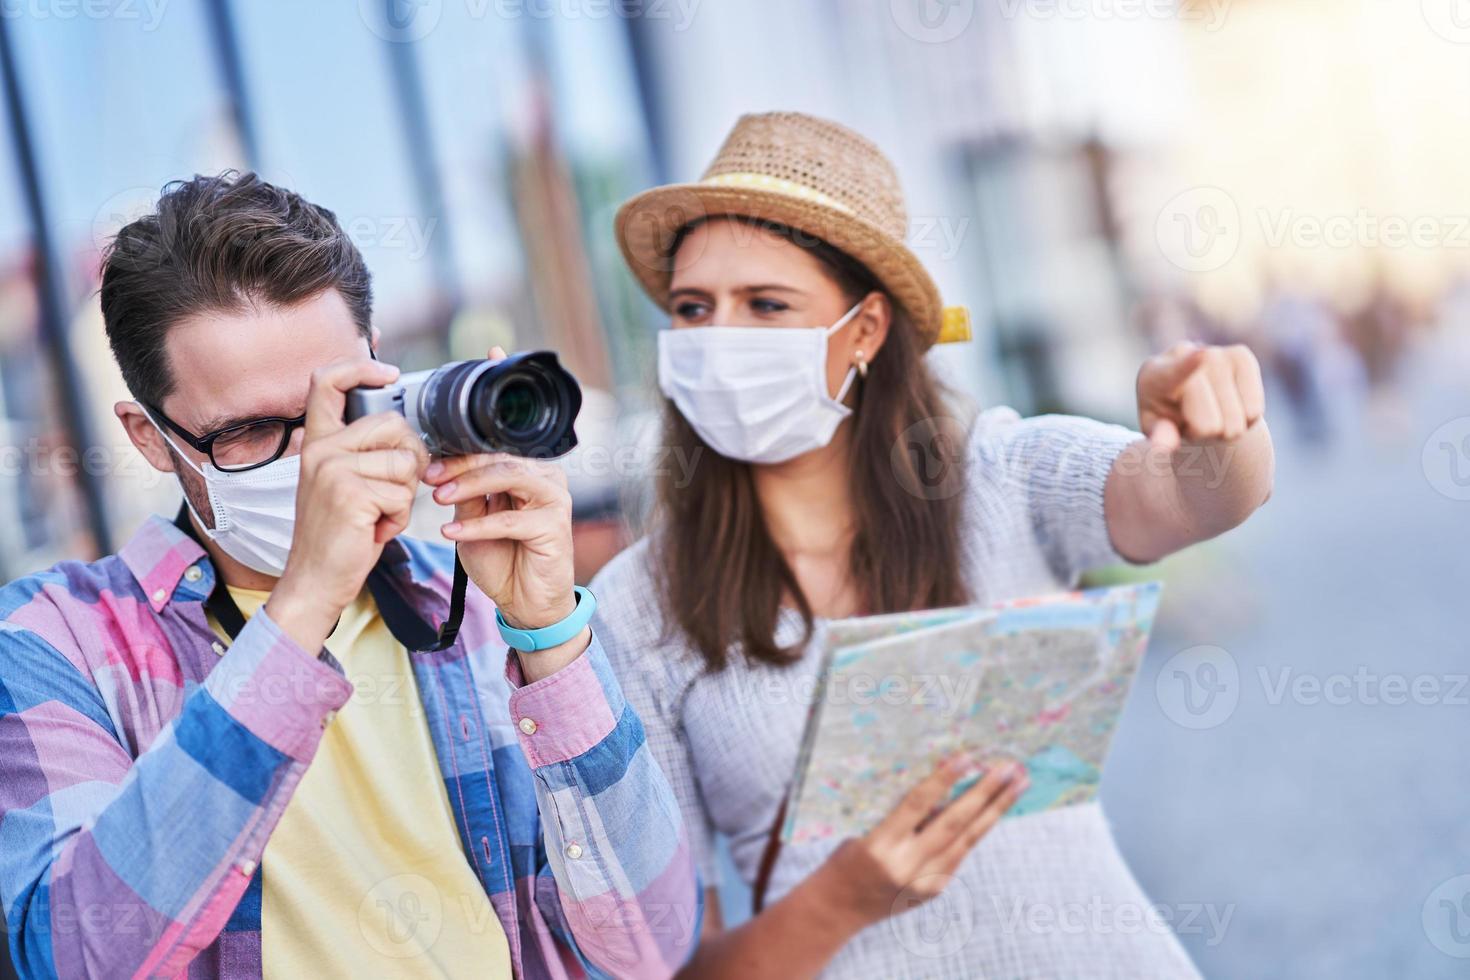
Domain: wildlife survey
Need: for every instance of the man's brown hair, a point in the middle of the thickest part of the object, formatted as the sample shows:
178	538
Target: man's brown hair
218	244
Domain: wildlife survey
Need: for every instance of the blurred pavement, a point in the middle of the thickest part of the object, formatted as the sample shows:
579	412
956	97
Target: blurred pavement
1334	822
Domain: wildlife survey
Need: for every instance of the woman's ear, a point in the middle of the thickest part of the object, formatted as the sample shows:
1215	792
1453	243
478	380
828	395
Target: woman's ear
870	326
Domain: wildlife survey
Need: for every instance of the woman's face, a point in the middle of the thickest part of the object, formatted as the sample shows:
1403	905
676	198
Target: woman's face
733	274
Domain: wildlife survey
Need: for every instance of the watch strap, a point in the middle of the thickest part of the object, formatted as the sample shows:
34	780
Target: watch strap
529	641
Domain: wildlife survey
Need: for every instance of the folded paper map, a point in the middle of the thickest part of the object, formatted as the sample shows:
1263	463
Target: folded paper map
1040	681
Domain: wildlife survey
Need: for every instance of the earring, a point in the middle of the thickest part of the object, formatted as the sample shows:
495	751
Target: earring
862	365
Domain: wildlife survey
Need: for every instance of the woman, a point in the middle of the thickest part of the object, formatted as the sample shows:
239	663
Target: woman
830	484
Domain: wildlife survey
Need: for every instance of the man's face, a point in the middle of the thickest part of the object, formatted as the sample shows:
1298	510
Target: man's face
237	366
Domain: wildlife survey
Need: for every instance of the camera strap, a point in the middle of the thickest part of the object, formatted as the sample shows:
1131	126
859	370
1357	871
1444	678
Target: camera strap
406	625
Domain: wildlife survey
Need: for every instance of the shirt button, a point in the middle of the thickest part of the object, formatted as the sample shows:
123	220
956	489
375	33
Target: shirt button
247	868
218	648
574	851
193	574
528	726
159	595
328	718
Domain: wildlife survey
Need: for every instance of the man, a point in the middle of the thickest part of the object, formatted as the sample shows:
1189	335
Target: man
217	753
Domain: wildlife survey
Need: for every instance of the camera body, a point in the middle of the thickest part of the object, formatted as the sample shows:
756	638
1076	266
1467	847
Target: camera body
525	404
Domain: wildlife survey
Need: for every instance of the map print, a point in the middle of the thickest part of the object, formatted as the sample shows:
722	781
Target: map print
1042	681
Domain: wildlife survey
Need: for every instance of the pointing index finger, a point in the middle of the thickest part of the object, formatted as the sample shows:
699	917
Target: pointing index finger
1175	376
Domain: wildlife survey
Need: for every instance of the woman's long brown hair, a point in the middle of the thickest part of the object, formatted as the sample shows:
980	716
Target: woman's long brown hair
722	576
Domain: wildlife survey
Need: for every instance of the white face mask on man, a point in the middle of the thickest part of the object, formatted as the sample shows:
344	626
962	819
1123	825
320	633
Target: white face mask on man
254	511
756	394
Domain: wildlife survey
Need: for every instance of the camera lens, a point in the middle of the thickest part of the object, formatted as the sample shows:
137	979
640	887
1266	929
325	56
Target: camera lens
518	409
524	405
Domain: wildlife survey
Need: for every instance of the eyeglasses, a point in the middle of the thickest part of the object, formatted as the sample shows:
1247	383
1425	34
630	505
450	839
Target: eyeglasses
240	447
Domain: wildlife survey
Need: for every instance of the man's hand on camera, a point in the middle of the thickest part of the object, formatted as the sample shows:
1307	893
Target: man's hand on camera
356	492
513	526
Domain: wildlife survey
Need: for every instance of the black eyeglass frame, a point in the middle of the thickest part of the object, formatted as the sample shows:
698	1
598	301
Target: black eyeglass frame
205	443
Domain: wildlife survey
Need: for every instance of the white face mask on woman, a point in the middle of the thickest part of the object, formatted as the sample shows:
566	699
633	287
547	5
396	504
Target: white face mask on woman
756	394
254	511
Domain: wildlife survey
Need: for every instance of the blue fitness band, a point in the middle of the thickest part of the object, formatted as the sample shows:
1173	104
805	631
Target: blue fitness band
529	641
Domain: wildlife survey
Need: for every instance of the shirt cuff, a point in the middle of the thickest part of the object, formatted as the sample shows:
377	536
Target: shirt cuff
280	692
567	714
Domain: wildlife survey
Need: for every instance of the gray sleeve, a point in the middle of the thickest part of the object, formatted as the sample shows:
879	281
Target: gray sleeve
630	625
1057	466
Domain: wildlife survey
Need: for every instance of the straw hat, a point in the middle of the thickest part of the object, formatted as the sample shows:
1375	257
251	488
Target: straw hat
813	175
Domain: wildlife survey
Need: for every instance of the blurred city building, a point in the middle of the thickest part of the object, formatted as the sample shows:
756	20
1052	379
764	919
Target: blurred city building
1056	162
476	152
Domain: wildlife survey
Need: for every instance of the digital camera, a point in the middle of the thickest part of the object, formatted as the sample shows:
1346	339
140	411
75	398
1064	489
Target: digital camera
525	405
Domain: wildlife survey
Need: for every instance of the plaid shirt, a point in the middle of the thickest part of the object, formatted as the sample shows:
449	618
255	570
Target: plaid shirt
144	764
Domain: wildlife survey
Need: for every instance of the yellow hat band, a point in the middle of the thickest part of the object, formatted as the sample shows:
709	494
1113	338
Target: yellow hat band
954	326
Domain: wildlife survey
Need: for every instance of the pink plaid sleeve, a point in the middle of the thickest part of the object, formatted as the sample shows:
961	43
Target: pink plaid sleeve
116	865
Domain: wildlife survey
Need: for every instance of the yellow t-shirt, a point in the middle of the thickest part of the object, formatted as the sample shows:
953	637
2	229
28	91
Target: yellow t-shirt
364	875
